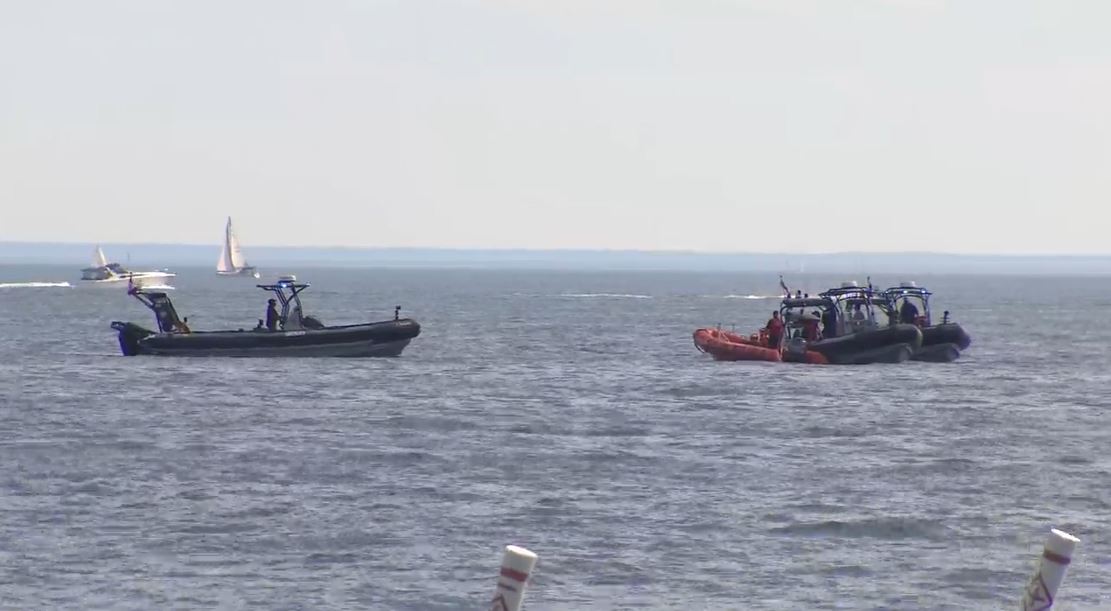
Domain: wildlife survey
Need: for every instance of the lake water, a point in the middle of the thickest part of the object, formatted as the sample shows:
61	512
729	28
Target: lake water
567	412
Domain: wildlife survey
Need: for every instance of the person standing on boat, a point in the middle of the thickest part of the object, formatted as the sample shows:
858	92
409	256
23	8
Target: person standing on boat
829	323
857	318
811	331
775	330
908	313
272	316
858	315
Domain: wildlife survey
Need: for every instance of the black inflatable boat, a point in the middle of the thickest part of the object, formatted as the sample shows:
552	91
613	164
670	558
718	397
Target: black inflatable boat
881	345
909	303
295	335
849	332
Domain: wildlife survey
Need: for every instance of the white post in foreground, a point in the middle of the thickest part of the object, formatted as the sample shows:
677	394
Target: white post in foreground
1041	590
516	565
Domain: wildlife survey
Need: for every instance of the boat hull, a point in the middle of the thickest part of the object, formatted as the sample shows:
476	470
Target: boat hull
938	353
382	339
796	351
726	346
882	345
140	279
942	343
243	272
948	333
891	353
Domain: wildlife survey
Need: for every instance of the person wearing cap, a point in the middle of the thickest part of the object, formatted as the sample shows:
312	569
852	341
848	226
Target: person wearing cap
775	330
272	316
908	314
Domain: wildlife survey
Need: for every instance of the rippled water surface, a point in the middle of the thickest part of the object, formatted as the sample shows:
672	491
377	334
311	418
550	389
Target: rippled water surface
565	412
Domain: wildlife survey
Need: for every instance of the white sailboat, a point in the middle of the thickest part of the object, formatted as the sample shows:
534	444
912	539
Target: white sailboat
99	260
232	262
102	272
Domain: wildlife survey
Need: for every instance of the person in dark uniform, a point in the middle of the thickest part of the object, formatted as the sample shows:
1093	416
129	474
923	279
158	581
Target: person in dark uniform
908	314
272	316
829	323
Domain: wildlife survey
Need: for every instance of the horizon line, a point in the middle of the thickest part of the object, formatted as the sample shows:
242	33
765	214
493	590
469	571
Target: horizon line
641	251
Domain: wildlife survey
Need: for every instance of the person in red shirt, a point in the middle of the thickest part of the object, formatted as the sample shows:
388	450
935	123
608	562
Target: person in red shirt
775	330
810	330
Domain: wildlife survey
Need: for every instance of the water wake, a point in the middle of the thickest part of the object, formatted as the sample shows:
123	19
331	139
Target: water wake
606	295
34	285
893	528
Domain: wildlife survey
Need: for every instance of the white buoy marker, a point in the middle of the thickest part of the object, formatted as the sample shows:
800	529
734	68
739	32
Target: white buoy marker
1041	590
516	566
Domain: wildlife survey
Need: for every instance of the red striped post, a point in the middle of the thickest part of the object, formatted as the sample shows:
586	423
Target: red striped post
1041	590
516	566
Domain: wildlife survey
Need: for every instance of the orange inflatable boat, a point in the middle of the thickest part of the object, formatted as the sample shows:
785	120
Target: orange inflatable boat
726	346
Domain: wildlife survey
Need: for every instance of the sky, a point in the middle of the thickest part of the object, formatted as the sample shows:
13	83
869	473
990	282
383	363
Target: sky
801	126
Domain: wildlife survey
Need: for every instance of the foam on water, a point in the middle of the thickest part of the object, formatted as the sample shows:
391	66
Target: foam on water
606	295
158	287
752	297
34	285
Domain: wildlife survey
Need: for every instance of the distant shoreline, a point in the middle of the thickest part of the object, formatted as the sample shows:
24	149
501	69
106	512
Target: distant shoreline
789	264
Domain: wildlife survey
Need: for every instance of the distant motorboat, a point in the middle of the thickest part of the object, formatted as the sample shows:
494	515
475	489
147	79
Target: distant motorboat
102	272
232	262
294	333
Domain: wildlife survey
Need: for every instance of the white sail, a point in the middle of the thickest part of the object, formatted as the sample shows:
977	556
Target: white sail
222	264
99	260
231	246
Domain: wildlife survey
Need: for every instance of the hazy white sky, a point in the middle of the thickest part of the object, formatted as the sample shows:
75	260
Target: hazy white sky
736	125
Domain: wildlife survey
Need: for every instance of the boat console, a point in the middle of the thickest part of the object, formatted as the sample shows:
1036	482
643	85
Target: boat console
897	298
853	307
288	291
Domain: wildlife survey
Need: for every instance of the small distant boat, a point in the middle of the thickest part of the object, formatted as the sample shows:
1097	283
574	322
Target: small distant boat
102	272
296	335
232	262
